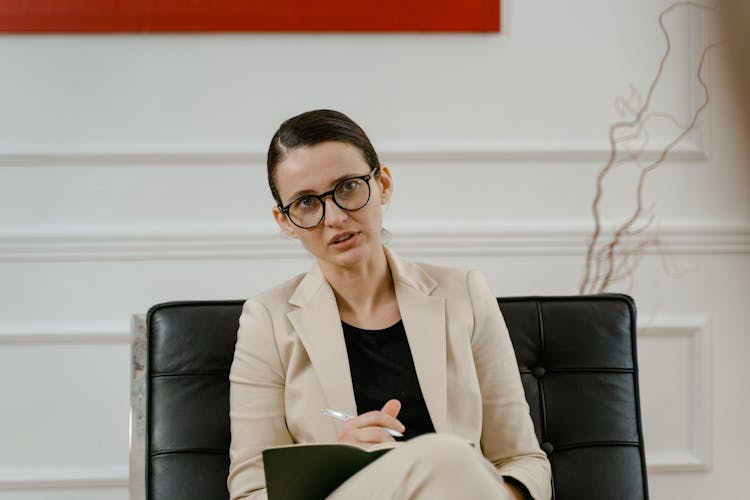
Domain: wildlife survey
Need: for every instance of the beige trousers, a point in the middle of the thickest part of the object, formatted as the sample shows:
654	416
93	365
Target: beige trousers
431	466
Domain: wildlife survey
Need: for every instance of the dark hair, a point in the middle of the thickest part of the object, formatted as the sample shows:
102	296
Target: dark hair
311	128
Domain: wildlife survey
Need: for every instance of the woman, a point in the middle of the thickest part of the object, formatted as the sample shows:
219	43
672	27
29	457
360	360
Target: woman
419	349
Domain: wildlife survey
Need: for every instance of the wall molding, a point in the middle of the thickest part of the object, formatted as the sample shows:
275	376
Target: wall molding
101	154
456	238
697	453
64	333
63	477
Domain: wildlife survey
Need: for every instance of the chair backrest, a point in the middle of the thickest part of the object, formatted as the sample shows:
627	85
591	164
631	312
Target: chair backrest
577	360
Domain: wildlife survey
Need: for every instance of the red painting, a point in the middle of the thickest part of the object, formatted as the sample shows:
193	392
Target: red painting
186	16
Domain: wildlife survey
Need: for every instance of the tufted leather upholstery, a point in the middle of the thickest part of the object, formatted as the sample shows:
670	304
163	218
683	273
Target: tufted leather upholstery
578	366
190	350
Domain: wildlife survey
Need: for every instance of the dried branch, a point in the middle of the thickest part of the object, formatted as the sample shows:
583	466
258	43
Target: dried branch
617	258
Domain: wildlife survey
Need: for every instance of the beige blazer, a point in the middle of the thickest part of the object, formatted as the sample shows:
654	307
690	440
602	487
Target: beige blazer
290	361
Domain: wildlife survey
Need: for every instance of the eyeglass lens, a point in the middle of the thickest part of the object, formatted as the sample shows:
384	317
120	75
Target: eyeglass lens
349	194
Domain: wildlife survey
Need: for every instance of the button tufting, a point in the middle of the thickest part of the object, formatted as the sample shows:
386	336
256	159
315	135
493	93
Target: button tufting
547	447
539	372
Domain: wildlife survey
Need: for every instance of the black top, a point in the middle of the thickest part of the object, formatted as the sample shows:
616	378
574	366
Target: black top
382	368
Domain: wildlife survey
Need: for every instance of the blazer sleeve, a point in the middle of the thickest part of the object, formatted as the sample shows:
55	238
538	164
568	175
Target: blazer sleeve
256	402
508	439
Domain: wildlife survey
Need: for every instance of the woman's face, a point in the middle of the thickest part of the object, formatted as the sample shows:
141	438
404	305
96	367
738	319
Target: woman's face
343	238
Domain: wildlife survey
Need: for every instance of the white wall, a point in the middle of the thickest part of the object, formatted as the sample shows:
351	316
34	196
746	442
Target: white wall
131	172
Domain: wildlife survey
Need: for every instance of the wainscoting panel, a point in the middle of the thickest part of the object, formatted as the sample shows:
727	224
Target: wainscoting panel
676	392
65	405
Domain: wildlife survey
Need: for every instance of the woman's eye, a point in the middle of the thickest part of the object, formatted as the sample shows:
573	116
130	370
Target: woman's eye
305	203
350	185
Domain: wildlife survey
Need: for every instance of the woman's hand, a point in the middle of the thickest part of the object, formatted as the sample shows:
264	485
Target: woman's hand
367	430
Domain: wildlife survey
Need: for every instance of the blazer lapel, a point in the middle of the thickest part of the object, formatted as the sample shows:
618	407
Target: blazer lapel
318	325
425	324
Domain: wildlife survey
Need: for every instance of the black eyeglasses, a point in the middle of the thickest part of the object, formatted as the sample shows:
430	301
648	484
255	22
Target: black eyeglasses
350	194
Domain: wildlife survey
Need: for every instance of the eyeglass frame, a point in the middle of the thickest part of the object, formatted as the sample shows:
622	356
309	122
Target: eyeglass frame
321	196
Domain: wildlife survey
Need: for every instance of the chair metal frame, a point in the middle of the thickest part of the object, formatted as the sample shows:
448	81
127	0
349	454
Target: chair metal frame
138	406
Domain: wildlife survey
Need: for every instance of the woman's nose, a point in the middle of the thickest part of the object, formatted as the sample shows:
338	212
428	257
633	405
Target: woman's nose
334	215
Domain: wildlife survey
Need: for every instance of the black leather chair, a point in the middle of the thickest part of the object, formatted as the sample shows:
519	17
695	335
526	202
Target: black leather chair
576	355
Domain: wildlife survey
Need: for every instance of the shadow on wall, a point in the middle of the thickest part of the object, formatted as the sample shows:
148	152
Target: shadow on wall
734	26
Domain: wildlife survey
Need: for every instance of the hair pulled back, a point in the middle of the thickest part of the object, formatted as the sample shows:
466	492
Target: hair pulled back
315	127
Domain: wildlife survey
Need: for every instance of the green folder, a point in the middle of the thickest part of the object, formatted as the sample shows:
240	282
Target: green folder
313	471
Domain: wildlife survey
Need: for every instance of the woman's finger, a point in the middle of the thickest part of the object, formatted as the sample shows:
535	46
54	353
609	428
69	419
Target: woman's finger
364	437
372	435
376	418
391	407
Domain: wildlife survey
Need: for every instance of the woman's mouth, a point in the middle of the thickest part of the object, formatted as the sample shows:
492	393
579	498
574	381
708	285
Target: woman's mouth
343	239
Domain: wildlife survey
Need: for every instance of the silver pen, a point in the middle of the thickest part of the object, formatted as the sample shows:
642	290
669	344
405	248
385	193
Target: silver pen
345	416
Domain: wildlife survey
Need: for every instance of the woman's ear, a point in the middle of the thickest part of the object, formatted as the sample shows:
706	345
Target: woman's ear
283	221
386	184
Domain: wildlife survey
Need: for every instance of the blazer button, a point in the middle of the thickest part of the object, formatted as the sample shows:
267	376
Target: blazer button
539	372
547	447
